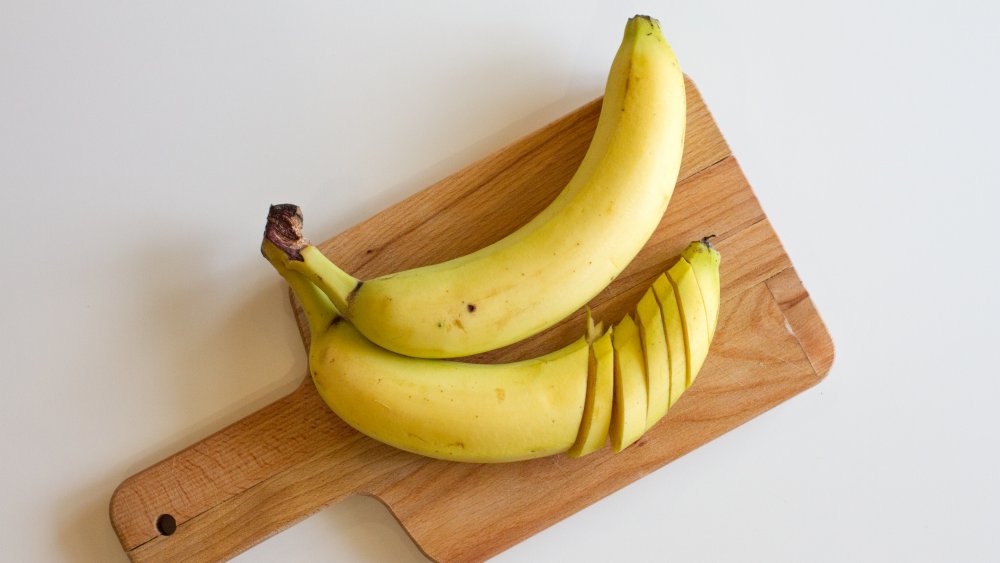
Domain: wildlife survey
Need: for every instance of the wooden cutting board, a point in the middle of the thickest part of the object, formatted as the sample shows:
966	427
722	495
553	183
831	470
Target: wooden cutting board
295	457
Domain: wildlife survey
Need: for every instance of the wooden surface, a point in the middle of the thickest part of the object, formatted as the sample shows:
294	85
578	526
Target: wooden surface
294	457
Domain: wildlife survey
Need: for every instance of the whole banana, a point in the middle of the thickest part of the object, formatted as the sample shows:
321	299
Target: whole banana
571	400
554	264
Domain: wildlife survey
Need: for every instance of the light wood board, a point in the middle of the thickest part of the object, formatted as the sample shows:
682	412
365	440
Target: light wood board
295	457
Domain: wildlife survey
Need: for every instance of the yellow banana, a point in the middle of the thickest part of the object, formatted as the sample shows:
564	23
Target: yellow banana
600	398
704	262
654	352
544	271
674	331
568	401
438	408
628	417
692	315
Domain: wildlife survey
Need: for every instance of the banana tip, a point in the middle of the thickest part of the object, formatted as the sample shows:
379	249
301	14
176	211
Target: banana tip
652	21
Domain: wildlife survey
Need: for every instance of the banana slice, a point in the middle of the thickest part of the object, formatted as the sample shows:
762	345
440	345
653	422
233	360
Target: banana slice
674	331
628	417
654	351
705	261
692	314
600	398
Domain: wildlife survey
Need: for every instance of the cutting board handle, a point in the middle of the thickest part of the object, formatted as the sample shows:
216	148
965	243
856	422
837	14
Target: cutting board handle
206	501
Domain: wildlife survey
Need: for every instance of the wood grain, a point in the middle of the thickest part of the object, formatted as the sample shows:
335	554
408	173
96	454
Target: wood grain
294	457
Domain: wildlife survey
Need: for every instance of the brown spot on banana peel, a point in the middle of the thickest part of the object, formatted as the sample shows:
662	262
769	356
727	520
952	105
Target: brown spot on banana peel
354	293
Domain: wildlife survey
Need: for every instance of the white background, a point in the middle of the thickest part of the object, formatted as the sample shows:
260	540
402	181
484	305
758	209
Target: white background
141	143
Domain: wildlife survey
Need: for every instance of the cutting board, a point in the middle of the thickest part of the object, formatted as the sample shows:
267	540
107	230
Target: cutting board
294	457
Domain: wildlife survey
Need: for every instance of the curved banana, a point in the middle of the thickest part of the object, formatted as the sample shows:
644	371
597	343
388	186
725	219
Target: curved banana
571	400
553	265
439	408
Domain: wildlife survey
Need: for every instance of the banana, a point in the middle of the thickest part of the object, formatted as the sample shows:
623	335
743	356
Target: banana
438	408
654	352
547	269
674	331
704	260
628	417
692	315
569	401
600	398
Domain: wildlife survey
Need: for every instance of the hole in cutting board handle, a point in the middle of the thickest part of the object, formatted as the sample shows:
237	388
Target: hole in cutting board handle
166	524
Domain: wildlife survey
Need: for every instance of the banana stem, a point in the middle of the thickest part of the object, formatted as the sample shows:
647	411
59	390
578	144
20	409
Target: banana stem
317	306
320	311
284	232
337	284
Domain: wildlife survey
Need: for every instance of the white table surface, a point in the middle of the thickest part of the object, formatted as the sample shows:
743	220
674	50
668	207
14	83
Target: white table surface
141	143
